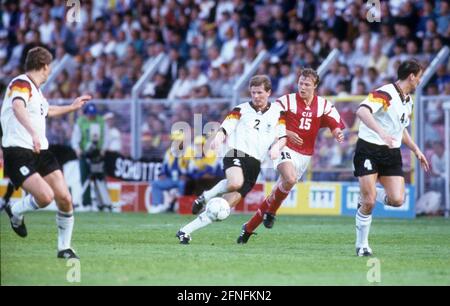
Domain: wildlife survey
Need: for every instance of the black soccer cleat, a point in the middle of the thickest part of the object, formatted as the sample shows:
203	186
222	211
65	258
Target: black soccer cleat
363	252
198	205
183	237
67	254
20	229
244	236
268	220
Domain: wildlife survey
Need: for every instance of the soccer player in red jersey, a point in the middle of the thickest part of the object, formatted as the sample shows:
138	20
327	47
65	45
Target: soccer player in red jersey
306	113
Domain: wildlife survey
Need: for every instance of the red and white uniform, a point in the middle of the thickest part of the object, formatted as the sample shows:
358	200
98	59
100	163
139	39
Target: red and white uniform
306	122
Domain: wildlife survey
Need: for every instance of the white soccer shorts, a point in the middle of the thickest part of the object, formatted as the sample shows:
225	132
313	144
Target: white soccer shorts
299	160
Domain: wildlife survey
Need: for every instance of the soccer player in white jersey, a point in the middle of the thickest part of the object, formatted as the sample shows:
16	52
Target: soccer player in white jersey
384	116
306	114
28	162
252	129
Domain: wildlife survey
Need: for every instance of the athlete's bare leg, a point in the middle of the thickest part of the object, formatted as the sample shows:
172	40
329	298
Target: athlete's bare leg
394	188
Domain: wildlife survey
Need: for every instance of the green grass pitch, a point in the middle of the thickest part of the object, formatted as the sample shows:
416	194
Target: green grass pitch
141	249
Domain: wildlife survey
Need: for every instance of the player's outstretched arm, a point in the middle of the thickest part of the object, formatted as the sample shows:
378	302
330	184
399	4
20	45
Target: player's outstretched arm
407	140
58	110
366	116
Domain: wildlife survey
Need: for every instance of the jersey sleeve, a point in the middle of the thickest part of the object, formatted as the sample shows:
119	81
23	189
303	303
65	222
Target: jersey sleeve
282	102
331	118
377	100
281	127
231	121
20	89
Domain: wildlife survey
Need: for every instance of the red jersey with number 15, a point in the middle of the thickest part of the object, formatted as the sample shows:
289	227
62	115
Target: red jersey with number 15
306	121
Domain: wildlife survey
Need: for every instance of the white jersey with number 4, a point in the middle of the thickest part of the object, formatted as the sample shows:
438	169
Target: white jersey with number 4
14	133
391	110
252	131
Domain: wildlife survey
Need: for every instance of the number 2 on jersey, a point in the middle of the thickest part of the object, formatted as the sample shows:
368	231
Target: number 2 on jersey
305	123
257	122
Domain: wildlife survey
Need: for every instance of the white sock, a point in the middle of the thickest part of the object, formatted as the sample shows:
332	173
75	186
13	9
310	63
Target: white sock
218	190
362	229
201	221
26	204
381	196
64	221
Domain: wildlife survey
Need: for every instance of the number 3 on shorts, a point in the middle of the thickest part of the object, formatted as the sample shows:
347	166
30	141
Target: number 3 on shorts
368	164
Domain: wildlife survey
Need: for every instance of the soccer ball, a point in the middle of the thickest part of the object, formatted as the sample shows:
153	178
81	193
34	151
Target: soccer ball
217	209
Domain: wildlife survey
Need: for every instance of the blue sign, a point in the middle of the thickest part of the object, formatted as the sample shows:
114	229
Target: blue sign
350	197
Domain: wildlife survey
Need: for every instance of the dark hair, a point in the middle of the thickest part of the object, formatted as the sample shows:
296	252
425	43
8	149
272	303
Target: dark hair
259	80
310	73
37	58
408	67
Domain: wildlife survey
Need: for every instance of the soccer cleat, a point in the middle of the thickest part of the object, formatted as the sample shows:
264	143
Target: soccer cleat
183	237
67	254
268	220
18	225
363	251
244	236
198	205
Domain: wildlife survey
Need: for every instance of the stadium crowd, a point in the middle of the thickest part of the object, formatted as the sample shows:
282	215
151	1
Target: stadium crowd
206	45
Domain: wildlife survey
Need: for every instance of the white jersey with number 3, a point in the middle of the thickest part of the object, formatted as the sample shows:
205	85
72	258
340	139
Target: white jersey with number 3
391	110
14	133
252	131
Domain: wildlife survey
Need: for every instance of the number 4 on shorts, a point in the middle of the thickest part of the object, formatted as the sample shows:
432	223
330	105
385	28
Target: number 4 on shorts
368	164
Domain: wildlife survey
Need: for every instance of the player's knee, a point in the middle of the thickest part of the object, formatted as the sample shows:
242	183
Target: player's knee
368	199
290	181
45	198
396	200
235	184
65	199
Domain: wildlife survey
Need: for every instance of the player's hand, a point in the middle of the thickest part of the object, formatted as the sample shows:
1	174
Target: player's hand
36	143
217	141
80	101
338	135
294	138
423	160
274	152
388	139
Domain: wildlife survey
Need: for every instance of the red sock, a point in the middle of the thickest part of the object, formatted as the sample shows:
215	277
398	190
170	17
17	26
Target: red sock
257	218
279	194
